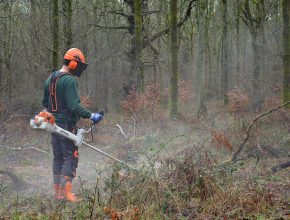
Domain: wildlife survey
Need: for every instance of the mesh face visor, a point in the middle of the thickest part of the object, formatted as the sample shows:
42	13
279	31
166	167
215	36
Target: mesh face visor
81	67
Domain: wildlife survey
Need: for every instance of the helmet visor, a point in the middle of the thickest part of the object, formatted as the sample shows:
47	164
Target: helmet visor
81	67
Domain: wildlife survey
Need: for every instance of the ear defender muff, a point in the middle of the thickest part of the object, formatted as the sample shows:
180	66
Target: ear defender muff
75	60
73	64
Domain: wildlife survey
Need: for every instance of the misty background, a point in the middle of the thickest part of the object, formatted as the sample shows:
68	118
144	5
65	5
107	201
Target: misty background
222	45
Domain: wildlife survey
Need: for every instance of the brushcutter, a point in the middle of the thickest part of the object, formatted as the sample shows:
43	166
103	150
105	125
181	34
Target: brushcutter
46	121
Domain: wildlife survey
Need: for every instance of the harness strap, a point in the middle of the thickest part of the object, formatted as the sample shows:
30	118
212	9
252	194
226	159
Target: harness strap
52	90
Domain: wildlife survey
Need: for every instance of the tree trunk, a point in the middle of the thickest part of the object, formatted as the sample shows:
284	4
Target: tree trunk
254	24
225	86
201	107
55	31
105	73
139	44
286	55
238	47
209	82
67	23
8	46
34	76
174	60
256	91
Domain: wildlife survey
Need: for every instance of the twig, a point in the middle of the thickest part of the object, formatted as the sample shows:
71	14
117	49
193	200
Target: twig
171	194
110	27
23	149
242	144
122	131
14	116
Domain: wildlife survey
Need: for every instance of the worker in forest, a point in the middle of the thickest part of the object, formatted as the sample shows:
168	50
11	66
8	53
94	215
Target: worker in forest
62	100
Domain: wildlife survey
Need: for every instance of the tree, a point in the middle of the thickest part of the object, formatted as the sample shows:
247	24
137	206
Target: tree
254	26
254	15
225	60
201	84
34	76
147	40
174	61
139	44
55	31
67	23
238	43
286	45
8	47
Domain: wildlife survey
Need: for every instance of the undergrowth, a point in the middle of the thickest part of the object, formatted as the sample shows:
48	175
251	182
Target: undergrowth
190	185
181	176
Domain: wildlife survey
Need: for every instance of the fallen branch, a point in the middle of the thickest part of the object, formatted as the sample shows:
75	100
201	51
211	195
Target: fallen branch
280	167
122	131
15	116
242	144
23	149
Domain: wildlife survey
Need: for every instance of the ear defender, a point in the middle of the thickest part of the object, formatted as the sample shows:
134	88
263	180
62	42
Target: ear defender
73	64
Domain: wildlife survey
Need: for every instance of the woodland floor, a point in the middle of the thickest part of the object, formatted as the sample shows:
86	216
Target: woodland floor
186	172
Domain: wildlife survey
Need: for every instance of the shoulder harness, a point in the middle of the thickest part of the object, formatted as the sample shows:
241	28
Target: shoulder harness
52	89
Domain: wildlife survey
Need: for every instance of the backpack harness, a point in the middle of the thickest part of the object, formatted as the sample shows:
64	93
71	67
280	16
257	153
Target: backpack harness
56	105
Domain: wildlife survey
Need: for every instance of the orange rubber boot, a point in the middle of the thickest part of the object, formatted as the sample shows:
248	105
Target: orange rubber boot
58	195
69	196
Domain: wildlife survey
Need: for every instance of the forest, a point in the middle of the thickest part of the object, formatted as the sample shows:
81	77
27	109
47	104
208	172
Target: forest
195	95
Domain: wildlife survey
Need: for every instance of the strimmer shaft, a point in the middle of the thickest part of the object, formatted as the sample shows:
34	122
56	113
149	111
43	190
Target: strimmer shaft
110	156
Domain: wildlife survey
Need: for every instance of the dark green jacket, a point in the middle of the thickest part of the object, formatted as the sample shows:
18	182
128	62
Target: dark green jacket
67	93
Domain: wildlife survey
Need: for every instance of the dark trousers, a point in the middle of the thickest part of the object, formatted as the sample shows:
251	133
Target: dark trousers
65	155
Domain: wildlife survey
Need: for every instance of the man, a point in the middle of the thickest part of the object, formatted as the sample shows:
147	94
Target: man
62	100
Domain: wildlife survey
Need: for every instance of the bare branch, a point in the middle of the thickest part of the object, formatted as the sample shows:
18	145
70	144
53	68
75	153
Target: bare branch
167	30
245	21
150	12
119	13
112	28
155	51
242	144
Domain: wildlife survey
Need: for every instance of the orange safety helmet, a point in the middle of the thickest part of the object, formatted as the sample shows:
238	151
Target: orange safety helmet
76	61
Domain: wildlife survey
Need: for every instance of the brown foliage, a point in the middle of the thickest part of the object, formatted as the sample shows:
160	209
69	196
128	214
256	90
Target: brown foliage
86	101
238	101
221	140
148	101
132	213
185	91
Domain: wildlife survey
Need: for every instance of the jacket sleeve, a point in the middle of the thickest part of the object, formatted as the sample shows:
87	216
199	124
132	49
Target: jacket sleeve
73	100
45	95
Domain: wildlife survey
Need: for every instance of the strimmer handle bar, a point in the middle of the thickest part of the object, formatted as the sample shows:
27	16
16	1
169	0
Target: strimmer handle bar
46	121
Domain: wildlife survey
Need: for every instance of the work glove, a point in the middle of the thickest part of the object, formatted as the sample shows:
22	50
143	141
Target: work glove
97	117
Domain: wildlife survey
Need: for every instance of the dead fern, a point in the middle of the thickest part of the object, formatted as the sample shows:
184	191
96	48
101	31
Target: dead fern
221	140
86	101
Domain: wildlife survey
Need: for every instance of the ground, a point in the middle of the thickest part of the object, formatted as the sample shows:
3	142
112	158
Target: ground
186	172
